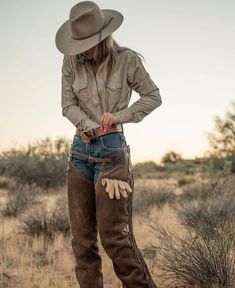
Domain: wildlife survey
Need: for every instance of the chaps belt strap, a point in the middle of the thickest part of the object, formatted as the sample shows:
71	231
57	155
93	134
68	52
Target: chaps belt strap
90	158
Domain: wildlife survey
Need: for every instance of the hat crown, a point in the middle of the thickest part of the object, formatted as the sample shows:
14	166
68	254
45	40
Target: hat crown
86	19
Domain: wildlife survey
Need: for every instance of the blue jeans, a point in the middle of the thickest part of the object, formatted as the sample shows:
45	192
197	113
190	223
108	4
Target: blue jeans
97	148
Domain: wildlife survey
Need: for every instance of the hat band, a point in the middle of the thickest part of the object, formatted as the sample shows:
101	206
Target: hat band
104	26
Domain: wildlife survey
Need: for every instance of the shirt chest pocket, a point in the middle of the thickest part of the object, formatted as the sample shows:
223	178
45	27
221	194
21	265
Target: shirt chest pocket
118	94
114	92
80	88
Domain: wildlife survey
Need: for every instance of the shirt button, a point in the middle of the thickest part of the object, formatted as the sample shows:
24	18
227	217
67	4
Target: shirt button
96	102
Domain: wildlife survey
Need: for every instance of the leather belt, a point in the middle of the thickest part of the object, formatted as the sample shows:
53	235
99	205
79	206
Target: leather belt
90	134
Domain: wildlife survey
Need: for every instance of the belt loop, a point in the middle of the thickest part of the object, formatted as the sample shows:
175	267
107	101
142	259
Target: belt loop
84	137
90	159
120	125
94	132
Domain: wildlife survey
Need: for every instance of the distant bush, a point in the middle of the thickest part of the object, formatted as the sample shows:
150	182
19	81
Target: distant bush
218	163
185	166
211	182
194	191
219	177
45	222
43	163
20	197
171	157
222	140
146	167
186	179
232	158
4	183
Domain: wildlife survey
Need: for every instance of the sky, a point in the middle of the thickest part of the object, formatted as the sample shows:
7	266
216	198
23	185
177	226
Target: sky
189	50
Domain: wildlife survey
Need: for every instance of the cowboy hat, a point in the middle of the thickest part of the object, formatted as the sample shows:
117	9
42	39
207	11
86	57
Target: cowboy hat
87	26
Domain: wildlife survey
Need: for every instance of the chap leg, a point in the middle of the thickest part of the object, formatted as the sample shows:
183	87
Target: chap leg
82	213
114	218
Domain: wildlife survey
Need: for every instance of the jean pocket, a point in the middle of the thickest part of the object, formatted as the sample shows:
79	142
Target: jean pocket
113	141
78	144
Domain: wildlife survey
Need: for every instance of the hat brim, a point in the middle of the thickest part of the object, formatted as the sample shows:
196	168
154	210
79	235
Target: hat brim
69	46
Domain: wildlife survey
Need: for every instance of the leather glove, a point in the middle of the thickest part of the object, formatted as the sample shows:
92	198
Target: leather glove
116	188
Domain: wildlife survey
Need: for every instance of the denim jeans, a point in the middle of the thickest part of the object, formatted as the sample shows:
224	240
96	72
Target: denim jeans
98	148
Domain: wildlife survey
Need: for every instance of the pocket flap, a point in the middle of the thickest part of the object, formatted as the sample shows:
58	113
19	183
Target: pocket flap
114	85
78	85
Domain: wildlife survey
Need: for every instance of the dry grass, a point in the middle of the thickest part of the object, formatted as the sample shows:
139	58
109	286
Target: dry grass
32	262
28	262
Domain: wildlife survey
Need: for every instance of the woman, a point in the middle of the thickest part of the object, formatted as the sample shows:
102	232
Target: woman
97	79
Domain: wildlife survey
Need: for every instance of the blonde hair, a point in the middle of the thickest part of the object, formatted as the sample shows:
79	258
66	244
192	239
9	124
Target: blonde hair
105	55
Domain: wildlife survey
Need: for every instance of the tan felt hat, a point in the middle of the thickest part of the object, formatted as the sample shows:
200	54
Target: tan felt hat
87	26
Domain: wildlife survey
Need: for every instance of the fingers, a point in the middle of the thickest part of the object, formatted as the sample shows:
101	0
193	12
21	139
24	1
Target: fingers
127	187
122	188
123	192
107	121
104	122
111	189
116	187
121	184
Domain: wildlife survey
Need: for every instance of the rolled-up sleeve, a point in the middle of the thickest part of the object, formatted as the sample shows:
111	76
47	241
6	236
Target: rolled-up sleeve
140	81
69	103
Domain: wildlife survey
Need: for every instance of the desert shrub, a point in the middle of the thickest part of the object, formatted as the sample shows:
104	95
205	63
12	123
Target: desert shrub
210	215
194	261
146	167
186	179
182	165
20	197
46	223
4	183
213	205
26	169
145	198
171	157
222	140
43	163
6	280
218	163
212	182
217	177
232	159
194	191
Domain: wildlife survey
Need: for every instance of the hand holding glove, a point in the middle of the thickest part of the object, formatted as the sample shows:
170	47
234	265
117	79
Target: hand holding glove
116	188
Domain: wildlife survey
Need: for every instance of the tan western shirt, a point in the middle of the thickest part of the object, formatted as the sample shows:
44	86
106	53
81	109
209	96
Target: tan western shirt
86	96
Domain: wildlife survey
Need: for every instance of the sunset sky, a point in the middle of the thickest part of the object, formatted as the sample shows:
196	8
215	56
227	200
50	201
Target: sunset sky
189	48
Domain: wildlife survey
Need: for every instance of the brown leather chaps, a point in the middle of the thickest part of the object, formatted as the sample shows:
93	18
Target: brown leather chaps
91	210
